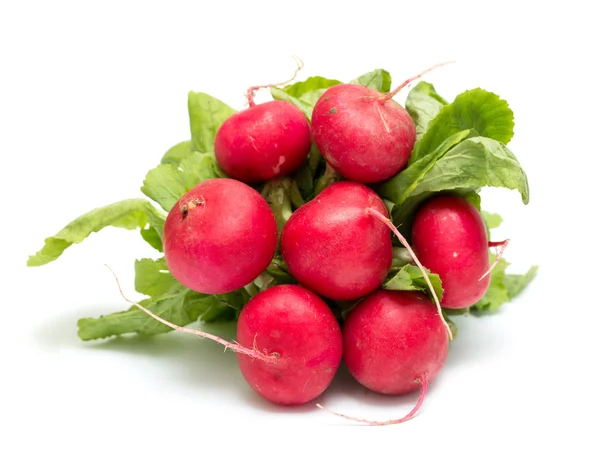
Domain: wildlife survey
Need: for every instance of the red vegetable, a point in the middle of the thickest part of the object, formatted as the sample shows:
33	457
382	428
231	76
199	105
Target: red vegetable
294	324
394	341
333	246
450	239
264	141
363	135
219	236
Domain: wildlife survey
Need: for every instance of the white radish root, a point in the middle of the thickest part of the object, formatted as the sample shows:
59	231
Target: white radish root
392	94
252	90
233	346
502	245
421	381
373	212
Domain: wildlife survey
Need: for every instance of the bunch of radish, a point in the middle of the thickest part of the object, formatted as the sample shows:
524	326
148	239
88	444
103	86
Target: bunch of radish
315	267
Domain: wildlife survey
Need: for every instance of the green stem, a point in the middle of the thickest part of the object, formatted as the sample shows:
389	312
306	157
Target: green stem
295	195
328	178
276	192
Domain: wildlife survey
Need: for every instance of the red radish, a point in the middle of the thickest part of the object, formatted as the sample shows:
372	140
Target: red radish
363	134
333	246
450	239
296	343
264	141
392	339
219	236
394	343
297	326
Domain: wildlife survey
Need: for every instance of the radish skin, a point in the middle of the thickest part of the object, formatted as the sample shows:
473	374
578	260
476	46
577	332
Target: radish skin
363	134
332	246
264	141
219	237
297	325
450	239
392	339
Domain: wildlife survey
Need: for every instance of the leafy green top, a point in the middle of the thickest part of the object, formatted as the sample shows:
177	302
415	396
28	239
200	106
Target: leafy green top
461	147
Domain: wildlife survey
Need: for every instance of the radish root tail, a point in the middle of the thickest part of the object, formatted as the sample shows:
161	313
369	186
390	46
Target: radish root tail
252	90
421	380
502	246
373	212
392	94
233	346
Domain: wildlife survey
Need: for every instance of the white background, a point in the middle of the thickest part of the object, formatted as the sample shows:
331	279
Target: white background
93	93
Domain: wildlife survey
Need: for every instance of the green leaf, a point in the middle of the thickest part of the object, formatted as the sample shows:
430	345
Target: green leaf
234	300
409	277
218	312
164	185
127	214
306	90
134	320
503	287
280	94
474	109
473	163
176	153
516	283
152	238
180	306
152	278
156	219
304	94
497	293
403	184
197	168
453	157
423	104
476	162
473	197
492	220
206	116
154	232
167	183
378	79
119	323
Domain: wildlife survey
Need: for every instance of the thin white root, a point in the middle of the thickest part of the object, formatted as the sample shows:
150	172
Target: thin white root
421	381
502	246
252	90
387	96
373	212
253	353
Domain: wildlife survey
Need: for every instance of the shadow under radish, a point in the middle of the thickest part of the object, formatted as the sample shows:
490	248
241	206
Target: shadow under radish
203	364
347	391
198	362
